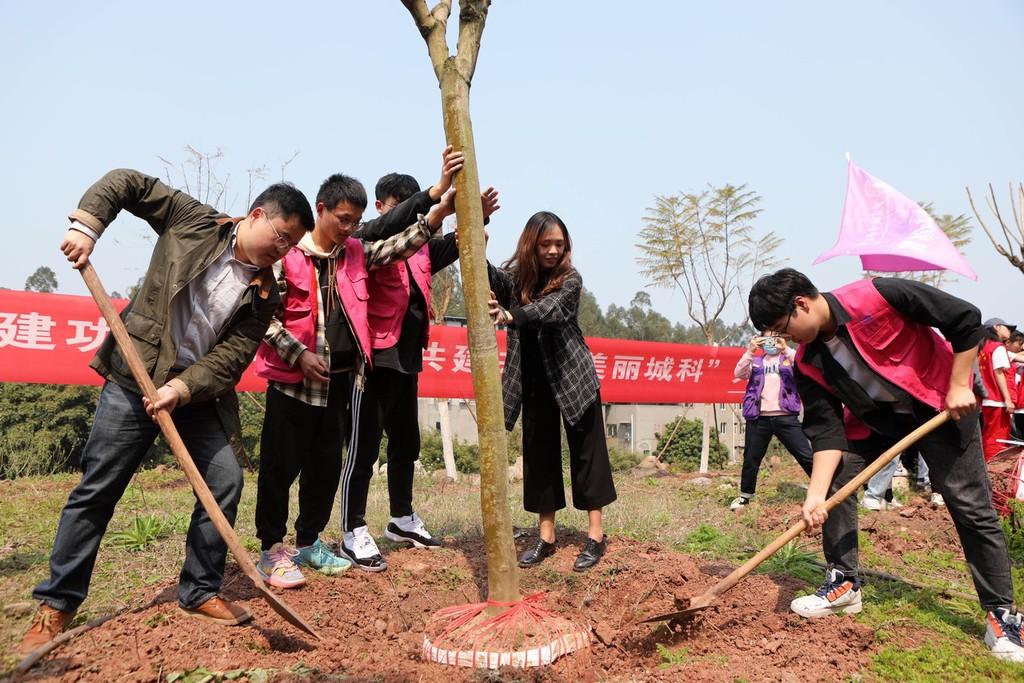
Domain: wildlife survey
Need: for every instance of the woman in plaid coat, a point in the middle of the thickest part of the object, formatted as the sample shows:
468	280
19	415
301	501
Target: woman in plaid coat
549	375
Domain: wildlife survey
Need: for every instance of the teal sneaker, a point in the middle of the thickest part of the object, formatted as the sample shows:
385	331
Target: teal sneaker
319	557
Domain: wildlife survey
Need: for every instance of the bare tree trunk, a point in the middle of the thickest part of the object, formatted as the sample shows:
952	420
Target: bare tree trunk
705	438
444	417
732	430
454	74
502	574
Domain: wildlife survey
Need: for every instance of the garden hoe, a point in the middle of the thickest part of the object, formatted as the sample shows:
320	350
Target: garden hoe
170	432
709	597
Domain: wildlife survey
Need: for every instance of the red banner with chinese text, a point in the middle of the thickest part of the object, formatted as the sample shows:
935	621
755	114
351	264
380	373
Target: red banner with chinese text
50	339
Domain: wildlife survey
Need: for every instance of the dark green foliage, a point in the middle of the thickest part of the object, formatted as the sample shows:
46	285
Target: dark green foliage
684	450
1014	532
467	456
641	322
621	459
43	427
42	280
251	408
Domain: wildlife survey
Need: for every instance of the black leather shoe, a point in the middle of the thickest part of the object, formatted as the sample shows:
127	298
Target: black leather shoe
591	553
536	553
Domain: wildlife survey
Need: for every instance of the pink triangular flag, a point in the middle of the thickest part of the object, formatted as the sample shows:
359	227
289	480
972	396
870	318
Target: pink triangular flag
890	232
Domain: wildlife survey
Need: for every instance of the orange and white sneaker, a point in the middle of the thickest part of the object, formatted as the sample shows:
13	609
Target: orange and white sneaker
838	595
1002	635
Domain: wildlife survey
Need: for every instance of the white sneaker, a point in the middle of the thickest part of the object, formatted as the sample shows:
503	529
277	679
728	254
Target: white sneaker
358	545
410	529
893	504
937	499
869	503
739	502
838	595
1002	635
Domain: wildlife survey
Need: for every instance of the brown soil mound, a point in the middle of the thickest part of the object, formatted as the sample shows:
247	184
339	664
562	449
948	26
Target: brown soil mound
372	625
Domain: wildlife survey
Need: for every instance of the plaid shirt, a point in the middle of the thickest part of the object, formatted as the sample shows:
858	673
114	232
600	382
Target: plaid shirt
567	361
378	254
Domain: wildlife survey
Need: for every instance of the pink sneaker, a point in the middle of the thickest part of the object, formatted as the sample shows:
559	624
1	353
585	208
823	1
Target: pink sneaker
277	568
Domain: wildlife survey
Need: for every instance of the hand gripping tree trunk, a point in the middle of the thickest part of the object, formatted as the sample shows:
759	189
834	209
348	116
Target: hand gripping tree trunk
506	629
454	74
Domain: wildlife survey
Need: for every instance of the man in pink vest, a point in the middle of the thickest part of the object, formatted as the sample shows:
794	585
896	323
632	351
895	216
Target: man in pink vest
869	370
314	355
399	319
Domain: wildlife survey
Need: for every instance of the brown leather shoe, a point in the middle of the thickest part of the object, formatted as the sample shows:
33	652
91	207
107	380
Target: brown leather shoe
47	624
219	611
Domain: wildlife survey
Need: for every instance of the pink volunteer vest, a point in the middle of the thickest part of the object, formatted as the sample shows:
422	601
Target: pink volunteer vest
910	355
389	298
300	308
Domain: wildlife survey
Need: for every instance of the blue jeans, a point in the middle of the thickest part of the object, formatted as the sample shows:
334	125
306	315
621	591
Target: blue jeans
880	483
121	435
923	480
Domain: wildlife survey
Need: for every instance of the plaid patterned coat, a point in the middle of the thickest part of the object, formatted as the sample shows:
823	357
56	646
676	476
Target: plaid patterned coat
566	358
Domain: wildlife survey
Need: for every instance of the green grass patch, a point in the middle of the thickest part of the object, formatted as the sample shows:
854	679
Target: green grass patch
792	560
708	541
934	560
670	657
147	530
941	662
952	630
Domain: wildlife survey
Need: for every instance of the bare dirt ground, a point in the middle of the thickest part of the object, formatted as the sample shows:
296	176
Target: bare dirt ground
373	625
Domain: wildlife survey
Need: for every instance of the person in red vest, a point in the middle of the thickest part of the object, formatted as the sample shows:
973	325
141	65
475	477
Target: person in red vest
399	315
1015	346
870	369
997	406
314	355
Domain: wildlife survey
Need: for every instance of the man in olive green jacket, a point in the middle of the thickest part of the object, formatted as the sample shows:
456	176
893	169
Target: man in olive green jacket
196	321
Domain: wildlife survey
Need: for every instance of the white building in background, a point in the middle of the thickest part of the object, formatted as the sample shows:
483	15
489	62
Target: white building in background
633	427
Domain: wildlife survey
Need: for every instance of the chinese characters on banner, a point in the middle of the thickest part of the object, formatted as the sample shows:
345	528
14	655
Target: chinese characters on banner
50	338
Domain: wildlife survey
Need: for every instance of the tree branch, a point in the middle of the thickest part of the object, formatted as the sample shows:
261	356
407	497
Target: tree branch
981	222
472	17
994	206
1016	215
432	29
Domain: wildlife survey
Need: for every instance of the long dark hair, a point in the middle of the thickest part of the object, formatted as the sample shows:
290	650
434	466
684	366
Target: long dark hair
524	266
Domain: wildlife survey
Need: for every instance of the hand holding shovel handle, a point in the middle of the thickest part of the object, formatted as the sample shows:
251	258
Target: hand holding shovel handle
181	454
708	598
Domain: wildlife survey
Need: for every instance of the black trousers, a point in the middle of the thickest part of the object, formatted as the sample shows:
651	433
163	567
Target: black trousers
388	406
759	433
304	441
589	468
1018	425
959	474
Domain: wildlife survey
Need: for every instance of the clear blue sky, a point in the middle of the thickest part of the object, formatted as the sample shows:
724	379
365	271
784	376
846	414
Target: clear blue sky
589	115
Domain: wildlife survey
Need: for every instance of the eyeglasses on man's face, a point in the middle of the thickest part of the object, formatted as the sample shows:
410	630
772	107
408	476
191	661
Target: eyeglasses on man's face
347	221
280	241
